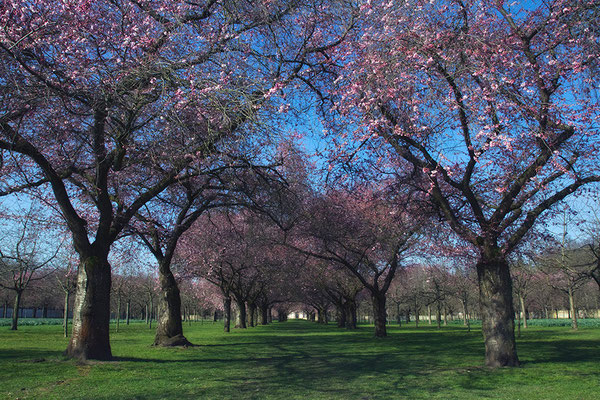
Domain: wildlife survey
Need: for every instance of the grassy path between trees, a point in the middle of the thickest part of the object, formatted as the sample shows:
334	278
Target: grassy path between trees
301	360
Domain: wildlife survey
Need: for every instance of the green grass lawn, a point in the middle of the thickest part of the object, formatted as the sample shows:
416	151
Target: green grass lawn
302	360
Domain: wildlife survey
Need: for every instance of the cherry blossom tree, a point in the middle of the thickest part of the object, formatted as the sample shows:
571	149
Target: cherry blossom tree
493	104
104	105
364	232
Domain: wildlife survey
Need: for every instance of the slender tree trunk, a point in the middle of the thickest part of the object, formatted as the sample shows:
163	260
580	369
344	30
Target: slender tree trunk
417	312
429	314
16	307
398	315
127	311
518	324
146	313
523	311
572	309
408	315
464	305
151	312
91	312
118	313
497	311
34	312
341	316
45	311
241	316
379	314
270	315
66	314
169	329
5	309
227	314
252	310
264	317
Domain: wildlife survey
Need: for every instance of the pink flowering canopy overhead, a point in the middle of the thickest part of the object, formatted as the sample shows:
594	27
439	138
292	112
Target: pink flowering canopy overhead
494	104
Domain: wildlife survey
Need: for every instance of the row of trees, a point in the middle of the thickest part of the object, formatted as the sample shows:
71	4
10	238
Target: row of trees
139	119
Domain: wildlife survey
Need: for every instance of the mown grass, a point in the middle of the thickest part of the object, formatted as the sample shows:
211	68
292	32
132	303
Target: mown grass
302	360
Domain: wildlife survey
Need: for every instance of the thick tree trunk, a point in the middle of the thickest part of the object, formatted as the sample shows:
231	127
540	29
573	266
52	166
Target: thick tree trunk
66	314
379	315
227	314
281	316
270	315
523	311
572	309
319	316
169	329
497	312
241	316
350	308
16	308
264	314
91	312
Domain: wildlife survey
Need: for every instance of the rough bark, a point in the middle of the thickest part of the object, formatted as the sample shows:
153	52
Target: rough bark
379	315
497	311
227	314
91	312
16	308
169	329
